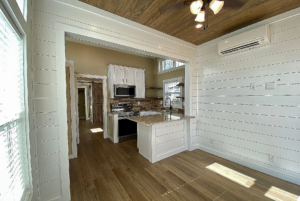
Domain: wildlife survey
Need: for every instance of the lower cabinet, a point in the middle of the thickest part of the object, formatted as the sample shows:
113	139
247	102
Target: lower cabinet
113	127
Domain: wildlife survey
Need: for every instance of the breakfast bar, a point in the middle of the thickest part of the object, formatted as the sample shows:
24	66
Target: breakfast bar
162	135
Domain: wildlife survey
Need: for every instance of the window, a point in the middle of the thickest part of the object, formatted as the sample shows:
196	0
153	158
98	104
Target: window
21	4
169	65
172	92
14	165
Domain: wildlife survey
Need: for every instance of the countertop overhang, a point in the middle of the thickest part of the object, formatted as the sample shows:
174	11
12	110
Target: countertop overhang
165	117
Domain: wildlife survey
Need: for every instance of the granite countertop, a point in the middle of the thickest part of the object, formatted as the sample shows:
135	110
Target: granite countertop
165	117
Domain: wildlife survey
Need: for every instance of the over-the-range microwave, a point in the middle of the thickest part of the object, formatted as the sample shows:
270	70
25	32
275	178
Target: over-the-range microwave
124	91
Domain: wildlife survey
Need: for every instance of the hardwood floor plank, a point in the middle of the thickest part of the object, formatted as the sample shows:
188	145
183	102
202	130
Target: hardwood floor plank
133	192
118	191
104	189
107	171
151	182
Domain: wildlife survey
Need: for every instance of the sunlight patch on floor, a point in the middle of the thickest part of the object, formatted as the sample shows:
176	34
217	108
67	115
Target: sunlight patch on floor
233	175
277	194
96	130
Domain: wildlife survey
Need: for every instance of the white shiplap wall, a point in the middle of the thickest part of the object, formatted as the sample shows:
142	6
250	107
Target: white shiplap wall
249	126
51	156
51	180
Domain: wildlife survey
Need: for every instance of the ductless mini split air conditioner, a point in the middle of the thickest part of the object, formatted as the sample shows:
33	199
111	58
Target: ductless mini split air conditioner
257	37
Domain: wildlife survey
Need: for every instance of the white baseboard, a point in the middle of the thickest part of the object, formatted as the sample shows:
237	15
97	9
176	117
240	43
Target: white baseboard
268	171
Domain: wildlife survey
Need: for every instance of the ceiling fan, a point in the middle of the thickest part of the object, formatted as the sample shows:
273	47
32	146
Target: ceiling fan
198	7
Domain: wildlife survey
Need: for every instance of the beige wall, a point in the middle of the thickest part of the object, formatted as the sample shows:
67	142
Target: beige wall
94	60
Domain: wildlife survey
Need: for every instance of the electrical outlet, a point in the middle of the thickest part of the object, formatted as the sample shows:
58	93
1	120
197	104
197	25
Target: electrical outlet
50	119
272	158
252	86
270	85
139	103
211	141
161	102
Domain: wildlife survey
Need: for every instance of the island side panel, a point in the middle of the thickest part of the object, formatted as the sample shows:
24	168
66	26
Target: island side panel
168	139
192	134
144	140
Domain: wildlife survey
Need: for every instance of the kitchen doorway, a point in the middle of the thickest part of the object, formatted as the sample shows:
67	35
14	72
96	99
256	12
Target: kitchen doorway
86	101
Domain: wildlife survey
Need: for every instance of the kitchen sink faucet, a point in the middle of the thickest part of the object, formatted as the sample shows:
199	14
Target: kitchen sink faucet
170	102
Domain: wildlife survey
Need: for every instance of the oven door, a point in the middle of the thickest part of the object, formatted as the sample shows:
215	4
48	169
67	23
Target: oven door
124	91
127	130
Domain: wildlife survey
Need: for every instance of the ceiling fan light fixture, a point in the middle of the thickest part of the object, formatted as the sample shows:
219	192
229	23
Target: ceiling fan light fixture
199	26
200	17
216	6
196	6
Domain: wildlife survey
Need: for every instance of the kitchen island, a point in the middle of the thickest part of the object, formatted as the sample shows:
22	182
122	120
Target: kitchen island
162	135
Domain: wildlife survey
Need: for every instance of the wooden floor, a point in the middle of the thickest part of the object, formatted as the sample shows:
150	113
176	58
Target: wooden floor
107	171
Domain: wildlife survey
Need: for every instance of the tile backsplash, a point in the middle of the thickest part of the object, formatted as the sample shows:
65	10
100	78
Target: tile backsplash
146	104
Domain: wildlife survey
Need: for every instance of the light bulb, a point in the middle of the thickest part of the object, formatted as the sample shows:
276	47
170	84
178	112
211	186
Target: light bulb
200	17
216	6
196	7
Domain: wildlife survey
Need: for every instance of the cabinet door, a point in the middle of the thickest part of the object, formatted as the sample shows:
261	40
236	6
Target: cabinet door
130	77
140	83
119	75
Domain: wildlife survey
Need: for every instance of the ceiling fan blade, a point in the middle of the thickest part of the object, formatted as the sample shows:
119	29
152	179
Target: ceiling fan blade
234	3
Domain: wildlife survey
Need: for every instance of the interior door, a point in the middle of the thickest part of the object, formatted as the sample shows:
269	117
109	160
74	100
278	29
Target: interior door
97	103
130	78
81	103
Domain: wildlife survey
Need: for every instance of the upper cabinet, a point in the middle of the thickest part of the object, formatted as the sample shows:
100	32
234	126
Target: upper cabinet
130	76
140	83
126	76
119	74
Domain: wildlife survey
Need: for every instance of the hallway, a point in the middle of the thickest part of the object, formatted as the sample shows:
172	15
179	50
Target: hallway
107	171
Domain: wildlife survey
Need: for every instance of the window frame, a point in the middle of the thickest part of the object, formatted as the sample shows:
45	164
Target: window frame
168	81
16	19
160	64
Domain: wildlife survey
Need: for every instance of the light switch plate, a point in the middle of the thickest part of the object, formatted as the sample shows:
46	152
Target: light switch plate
270	85
139	103
50	119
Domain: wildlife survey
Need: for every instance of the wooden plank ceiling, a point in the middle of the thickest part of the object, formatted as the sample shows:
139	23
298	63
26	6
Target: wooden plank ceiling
170	17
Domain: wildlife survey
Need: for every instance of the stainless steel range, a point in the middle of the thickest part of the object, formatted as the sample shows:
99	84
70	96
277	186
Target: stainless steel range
127	129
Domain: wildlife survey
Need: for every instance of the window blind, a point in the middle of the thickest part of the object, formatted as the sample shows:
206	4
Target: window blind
14	175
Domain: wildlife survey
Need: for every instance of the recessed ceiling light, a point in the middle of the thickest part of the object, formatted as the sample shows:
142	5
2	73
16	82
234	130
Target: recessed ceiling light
199	26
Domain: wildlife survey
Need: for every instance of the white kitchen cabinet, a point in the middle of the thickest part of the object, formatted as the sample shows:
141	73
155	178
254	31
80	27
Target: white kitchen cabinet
122	75
111	73
140	83
119	75
130	76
